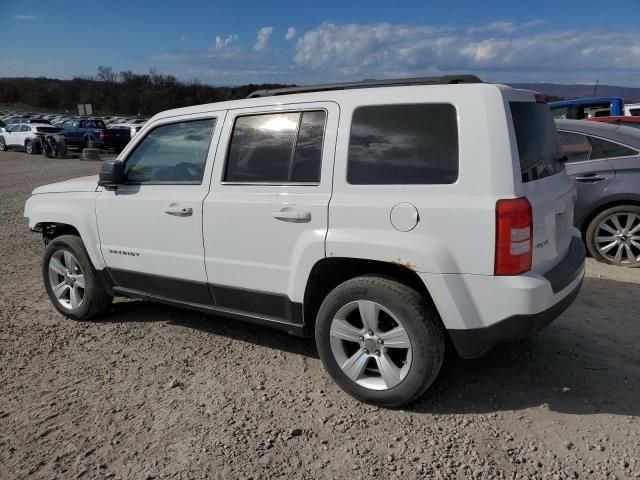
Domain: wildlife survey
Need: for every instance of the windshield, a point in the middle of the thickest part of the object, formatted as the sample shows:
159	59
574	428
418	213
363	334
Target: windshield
537	140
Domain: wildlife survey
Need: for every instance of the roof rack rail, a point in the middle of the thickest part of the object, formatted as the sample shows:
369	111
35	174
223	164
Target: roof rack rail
442	80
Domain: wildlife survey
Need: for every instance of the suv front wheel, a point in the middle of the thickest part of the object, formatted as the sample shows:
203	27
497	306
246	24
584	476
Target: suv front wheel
71	281
379	340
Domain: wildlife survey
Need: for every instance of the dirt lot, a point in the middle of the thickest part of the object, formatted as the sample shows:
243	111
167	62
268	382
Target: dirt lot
155	392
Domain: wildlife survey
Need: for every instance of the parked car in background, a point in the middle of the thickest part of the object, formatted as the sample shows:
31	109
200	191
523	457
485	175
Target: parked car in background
604	160
134	126
581	108
25	135
633	122
21	120
82	132
632	109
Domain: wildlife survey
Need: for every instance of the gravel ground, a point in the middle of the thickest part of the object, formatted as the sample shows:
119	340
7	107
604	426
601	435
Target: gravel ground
156	392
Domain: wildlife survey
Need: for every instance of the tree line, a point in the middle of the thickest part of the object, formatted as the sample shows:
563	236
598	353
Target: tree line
123	93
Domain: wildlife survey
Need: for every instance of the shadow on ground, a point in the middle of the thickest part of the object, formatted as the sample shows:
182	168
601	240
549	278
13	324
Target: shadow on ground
583	363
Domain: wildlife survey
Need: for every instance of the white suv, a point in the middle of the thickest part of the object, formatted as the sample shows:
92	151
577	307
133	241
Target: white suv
380	218
25	135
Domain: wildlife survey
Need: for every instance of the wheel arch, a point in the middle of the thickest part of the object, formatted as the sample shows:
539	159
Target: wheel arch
328	273
73	213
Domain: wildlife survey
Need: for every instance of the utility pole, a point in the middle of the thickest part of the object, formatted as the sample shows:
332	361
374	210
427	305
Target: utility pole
595	89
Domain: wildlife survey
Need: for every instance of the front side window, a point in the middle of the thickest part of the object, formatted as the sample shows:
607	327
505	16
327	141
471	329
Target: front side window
403	144
173	153
276	148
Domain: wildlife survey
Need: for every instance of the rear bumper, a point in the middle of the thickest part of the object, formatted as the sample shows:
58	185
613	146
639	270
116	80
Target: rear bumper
476	342
480	311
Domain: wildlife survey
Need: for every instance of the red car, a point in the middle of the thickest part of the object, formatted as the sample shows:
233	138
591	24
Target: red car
626	121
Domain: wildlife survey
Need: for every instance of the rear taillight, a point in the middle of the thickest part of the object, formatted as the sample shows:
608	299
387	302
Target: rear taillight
514	223
101	135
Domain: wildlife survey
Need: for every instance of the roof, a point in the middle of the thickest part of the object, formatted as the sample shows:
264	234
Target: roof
326	96
441	80
618	133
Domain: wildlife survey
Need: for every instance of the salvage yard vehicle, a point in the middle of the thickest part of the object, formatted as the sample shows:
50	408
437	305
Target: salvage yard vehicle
379	216
25	135
83	132
604	160
580	108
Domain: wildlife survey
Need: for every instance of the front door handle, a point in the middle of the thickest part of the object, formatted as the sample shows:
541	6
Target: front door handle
292	215
178	211
590	178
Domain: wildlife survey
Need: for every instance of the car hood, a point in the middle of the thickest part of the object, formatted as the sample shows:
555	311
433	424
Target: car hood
83	184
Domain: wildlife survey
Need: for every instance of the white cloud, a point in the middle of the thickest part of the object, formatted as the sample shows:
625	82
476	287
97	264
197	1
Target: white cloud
222	42
262	38
358	51
25	18
504	26
291	33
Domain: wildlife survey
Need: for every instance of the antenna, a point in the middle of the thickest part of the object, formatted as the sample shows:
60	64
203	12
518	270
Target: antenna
595	89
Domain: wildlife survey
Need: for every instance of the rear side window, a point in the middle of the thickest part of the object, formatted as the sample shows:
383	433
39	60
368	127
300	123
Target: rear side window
537	140
611	150
276	148
403	144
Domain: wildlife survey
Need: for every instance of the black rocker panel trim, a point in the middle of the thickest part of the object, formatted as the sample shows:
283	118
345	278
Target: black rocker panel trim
251	302
174	288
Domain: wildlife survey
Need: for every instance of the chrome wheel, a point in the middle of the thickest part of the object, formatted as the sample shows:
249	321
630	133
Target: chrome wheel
370	345
617	238
66	279
29	147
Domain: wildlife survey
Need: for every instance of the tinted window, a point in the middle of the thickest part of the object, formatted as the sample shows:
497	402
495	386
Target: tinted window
560	113
610	149
537	140
174	153
634	112
403	144
308	154
574	146
276	148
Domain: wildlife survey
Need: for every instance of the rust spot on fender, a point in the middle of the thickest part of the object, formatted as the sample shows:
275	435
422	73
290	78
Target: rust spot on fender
406	264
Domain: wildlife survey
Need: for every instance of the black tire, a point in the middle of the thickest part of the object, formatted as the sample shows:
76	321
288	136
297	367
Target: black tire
96	300
623	211
31	147
3	144
418	318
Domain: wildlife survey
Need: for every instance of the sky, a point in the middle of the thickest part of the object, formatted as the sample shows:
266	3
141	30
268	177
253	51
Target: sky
306	42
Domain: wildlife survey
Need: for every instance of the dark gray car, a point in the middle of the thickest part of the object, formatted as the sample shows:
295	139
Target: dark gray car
604	159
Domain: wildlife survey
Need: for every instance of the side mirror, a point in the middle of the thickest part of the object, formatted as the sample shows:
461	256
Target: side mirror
111	173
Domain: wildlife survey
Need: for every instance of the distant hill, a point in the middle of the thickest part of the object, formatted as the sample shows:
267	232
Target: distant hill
629	94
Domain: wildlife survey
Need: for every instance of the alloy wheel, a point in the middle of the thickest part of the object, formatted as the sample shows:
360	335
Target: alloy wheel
66	279
370	345
617	238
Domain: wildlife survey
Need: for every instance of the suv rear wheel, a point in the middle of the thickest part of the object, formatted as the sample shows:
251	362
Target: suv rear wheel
3	144
71	281
31	147
613	236
379	341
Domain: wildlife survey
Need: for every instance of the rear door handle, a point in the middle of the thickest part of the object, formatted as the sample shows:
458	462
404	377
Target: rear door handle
589	178
292	215
178	211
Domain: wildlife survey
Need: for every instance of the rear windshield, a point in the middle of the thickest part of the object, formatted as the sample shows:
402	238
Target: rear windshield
51	129
537	138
